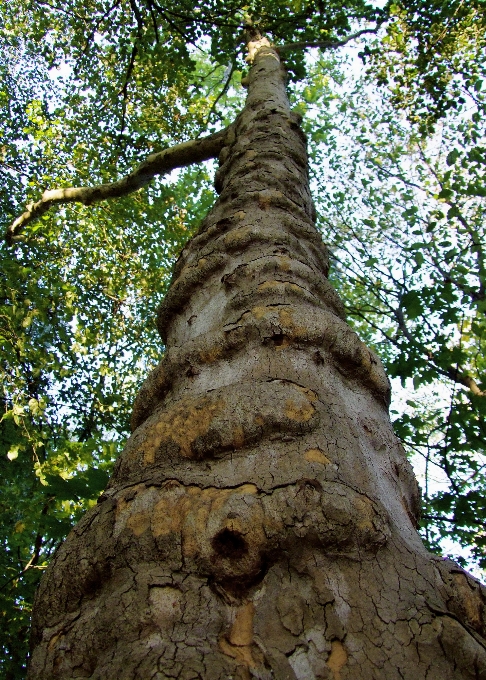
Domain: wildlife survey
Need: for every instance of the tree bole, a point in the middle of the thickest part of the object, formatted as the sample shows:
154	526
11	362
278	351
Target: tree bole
261	521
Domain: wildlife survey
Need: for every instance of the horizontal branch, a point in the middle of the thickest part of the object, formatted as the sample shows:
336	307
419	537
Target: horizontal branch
441	518
161	163
326	44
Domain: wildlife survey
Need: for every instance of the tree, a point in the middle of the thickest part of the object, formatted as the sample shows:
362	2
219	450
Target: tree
233	561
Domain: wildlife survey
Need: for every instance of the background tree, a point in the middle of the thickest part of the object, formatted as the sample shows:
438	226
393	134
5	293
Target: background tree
405	215
134	108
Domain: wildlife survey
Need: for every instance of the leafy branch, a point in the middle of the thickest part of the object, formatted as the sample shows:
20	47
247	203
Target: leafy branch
161	163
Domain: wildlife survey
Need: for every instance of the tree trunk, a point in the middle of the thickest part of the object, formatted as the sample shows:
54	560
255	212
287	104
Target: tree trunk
260	522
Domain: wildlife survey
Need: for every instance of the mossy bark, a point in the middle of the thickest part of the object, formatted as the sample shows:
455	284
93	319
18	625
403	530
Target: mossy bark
260	522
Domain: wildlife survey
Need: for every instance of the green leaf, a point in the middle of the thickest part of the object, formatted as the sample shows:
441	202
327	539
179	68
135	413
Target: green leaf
13	452
452	157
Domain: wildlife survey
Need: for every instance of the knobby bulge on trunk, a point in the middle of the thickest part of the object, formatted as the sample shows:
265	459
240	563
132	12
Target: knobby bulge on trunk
260	522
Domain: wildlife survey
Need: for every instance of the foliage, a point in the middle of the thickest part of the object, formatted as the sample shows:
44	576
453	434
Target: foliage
86	91
432	58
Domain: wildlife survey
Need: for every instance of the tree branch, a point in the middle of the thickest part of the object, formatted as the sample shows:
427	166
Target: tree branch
326	44
226	81
161	163
453	373
124	90
466	380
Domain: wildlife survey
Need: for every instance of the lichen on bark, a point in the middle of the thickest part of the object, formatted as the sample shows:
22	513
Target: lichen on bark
260	522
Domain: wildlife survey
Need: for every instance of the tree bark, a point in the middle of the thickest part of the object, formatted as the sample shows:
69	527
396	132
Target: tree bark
260	522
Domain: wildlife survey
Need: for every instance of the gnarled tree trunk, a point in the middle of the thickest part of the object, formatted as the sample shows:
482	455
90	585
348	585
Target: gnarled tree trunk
261	521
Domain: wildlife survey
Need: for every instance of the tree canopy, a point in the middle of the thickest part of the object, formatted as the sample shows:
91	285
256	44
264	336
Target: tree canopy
89	90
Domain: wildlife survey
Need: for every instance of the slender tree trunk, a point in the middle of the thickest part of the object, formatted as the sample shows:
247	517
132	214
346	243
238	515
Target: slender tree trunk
261	521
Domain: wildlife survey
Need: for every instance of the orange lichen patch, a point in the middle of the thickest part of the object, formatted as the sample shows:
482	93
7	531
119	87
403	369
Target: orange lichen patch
238	235
182	424
209	356
241	633
286	319
238	437
216	498
240	215
280	286
242	655
284	263
53	640
251	154
304	410
139	522
299	412
259	420
365	511
470	600
267	197
260	312
172	512
234	526
239	643
316	456
337	659
242	673
201	262
266	285
169	514
247	488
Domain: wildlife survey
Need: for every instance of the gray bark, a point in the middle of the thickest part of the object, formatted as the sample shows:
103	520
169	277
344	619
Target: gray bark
260	522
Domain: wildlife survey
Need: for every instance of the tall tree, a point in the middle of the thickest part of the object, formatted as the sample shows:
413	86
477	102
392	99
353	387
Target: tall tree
119	65
260	521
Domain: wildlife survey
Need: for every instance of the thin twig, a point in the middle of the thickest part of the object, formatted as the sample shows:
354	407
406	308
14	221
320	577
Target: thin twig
326	44
224	89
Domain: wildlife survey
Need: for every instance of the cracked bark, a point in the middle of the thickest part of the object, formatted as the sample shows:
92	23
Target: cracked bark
260	522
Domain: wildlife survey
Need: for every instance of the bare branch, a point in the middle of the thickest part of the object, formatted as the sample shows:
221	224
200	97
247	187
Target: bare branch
154	22
452	372
60	9
124	90
326	44
161	163
226	81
